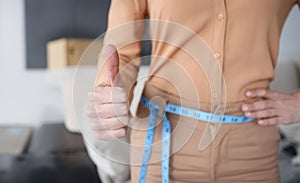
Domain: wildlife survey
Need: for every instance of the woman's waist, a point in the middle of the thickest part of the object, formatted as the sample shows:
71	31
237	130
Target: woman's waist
195	102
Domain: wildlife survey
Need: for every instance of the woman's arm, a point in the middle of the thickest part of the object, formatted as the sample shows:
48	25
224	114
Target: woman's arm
119	62
125	23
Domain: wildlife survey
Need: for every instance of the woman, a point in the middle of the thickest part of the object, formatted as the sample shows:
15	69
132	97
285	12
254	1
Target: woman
244	36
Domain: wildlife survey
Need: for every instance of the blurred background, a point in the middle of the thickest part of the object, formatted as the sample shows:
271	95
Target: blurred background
38	140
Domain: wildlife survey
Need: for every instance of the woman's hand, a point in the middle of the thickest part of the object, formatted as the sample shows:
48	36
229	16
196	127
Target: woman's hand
108	103
274	108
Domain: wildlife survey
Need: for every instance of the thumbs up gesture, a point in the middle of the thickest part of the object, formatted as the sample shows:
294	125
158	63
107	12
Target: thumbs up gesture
108	103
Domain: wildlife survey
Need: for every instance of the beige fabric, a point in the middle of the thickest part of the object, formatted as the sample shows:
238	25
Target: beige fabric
243	34
239	154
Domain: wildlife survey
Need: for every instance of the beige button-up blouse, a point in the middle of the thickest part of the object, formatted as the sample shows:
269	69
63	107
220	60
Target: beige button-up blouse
243	36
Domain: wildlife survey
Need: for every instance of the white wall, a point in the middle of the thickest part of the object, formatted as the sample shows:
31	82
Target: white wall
32	97
290	38
26	97
288	67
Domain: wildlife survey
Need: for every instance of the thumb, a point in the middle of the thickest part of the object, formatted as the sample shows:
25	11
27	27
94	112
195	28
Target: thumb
112	63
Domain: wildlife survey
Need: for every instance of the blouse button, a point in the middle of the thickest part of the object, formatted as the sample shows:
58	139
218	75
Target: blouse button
217	55
220	16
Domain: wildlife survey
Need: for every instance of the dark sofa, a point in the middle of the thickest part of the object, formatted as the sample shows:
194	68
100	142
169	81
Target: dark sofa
54	155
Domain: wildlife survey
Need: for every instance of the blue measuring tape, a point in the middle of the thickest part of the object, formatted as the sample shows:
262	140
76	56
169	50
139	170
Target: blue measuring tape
166	131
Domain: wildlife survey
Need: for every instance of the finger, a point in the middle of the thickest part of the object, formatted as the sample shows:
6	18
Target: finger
262	114
258	105
112	63
109	124
112	110
108	95
269	121
109	134
260	92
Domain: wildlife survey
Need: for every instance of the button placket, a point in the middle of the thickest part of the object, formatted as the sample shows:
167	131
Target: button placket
220	30
218	44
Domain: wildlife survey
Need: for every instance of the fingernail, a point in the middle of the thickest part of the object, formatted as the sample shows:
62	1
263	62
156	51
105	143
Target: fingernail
245	108
248	93
248	113
261	122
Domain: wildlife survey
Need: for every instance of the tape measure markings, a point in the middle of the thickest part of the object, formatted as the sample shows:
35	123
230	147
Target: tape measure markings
166	131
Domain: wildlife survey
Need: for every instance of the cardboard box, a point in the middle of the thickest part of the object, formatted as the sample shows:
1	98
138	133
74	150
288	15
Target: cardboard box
67	52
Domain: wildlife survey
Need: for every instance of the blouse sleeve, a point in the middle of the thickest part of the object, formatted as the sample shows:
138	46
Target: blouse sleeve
125	31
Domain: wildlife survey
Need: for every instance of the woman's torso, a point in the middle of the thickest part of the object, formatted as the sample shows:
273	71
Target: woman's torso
243	36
